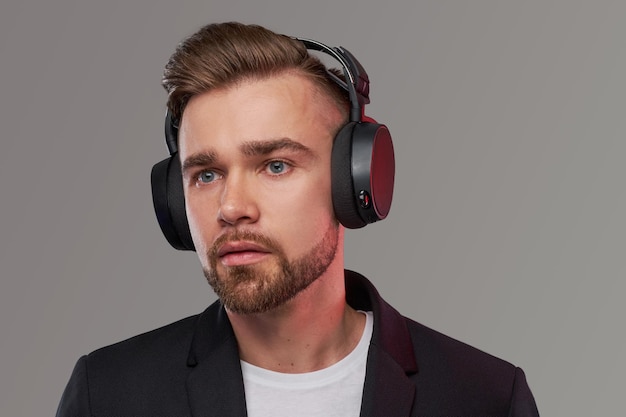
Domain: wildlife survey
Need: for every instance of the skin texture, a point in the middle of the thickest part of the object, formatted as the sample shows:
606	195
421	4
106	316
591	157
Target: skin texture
256	171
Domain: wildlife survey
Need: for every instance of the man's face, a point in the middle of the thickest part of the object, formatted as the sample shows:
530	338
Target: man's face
256	172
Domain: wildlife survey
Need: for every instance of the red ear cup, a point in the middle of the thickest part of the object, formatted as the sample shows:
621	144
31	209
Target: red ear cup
382	172
363	170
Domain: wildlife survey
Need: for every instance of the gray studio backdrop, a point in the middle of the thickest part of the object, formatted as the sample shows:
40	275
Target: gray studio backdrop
507	229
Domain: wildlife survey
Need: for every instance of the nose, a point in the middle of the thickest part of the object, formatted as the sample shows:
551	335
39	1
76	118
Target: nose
238	201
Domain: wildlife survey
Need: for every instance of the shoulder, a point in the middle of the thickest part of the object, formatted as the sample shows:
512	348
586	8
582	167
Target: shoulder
432	346
450	377
145	360
156	344
464	377
145	372
433	352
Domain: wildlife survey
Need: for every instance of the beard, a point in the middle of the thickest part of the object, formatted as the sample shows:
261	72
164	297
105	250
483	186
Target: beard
258	288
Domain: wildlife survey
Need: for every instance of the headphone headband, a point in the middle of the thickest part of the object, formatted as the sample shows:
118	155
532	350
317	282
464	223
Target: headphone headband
357	82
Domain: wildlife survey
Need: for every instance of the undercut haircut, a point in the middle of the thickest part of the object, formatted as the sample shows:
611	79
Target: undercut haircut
222	55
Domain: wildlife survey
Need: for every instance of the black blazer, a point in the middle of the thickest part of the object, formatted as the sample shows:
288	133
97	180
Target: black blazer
191	368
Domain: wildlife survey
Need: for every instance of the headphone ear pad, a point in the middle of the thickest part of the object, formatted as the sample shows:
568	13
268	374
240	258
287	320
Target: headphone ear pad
169	202
343	193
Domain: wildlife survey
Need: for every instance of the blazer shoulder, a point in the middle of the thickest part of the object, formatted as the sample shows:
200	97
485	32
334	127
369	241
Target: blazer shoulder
430	342
468	378
142	375
170	338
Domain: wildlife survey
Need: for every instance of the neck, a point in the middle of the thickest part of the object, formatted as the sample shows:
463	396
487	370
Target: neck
312	331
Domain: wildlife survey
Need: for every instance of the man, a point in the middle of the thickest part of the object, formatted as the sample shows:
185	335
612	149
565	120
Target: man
255	122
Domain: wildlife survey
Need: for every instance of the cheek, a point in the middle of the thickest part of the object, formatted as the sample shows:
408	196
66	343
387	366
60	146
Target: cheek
303	213
199	215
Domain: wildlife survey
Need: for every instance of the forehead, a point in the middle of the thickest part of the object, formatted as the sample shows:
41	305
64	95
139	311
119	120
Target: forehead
285	105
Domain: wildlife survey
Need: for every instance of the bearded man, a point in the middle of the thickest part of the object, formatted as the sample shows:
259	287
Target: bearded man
263	142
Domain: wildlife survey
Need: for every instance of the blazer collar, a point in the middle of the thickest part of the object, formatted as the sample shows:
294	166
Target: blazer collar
388	391
215	384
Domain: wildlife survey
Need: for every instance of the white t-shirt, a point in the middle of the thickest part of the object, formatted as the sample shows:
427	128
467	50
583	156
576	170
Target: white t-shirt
335	391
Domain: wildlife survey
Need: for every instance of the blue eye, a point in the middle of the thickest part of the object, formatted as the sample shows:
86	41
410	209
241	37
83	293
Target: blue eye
206	177
277	167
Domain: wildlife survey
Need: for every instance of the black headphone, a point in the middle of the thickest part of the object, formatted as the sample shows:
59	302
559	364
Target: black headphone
362	162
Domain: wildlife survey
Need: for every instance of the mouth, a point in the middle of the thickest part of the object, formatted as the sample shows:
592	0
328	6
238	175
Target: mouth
241	253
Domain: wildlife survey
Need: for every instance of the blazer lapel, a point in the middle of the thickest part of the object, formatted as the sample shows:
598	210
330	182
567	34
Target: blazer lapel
388	392
215	385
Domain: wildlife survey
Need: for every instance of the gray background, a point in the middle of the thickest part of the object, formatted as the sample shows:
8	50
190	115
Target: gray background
507	229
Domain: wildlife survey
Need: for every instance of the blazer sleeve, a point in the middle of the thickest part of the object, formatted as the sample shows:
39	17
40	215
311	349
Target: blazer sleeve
522	400
75	399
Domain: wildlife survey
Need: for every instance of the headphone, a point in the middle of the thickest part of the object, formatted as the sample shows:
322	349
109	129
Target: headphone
362	162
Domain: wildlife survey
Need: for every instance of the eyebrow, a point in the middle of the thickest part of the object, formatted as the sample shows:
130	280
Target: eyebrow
266	147
252	148
199	159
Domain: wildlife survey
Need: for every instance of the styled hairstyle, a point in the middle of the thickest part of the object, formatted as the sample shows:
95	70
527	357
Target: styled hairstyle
223	54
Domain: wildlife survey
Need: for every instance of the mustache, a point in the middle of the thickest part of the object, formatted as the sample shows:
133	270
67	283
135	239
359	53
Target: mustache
243	235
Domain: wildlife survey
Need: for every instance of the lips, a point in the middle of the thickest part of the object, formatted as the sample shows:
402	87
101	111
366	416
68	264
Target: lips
235	247
241	253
